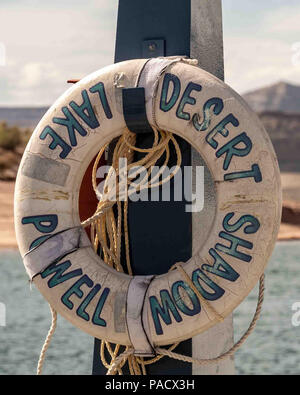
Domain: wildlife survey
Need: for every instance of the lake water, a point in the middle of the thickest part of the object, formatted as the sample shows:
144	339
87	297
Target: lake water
274	347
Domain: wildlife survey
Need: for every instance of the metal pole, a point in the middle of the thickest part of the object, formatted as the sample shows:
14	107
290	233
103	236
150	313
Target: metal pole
207	47
160	232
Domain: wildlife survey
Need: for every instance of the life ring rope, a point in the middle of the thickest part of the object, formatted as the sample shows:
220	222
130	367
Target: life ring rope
47	342
91	291
102	225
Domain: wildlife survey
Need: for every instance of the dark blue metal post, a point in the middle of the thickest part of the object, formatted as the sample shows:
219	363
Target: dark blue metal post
160	232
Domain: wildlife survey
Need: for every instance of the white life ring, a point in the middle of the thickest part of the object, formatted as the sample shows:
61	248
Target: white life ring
195	105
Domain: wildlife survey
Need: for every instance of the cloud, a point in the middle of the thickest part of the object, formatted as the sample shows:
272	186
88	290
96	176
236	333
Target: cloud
45	46
252	62
33	75
267	53
48	42
31	84
284	19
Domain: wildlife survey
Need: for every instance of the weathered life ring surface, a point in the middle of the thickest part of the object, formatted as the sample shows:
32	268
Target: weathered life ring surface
216	122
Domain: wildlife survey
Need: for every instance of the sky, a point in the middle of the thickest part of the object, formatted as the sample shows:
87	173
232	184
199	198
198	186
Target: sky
43	43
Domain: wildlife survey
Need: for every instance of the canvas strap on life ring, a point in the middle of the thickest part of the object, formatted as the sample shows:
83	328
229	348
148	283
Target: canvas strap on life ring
138	102
54	249
137	323
149	79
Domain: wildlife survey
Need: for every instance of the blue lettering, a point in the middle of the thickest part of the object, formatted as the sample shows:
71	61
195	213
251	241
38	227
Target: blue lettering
235	242
81	309
97	320
215	105
76	290
253	173
42	223
56	141
231	150
221	129
38	241
71	123
249	229
220	268
164	311
187	99
85	111
180	302
218	291
165	104
59	276
99	88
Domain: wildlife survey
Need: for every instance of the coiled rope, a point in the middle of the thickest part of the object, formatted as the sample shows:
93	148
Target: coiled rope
106	230
108	226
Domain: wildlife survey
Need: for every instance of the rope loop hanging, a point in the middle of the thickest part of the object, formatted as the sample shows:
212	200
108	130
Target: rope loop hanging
114	367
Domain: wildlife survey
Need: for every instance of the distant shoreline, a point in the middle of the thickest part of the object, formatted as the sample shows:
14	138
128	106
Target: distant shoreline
287	232
7	230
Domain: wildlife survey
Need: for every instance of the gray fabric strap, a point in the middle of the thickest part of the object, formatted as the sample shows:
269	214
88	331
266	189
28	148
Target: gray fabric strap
53	249
136	319
149	79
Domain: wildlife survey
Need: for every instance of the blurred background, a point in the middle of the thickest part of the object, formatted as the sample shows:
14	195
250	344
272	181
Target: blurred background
45	43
